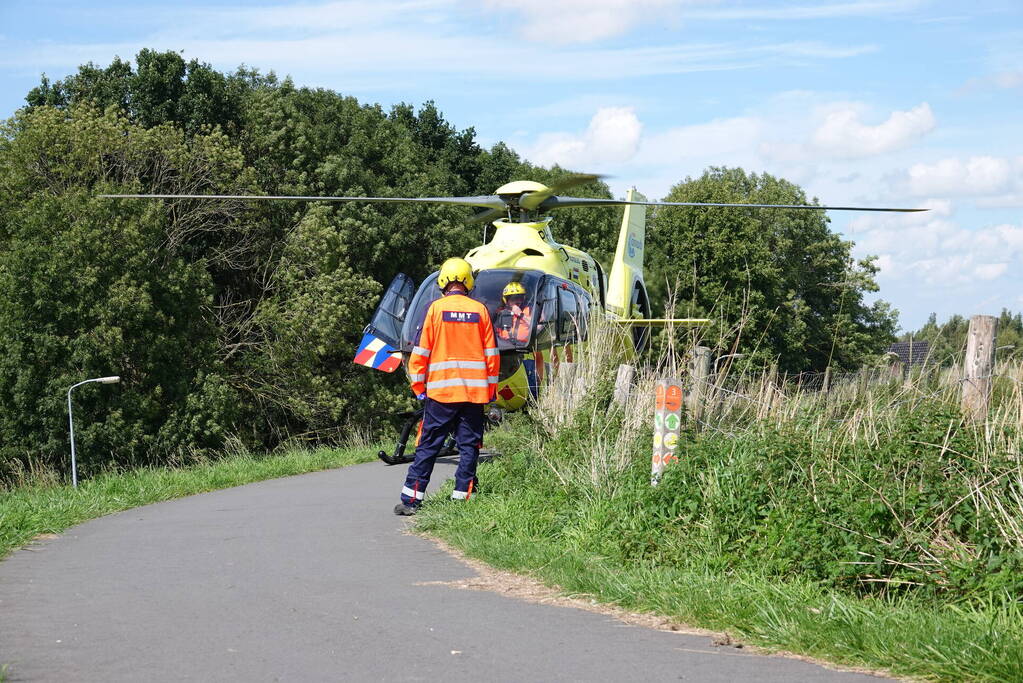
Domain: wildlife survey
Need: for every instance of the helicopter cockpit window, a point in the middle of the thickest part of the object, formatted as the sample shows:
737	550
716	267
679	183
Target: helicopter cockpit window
513	318
389	317
568	322
546	334
513	327
584	315
427	293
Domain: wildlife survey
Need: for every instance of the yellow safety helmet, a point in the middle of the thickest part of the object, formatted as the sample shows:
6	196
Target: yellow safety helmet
513	288
455	270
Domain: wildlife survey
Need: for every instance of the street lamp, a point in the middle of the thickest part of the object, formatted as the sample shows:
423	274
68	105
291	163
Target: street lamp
71	420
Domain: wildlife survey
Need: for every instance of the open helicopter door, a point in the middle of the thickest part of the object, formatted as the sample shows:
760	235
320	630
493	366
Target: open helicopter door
380	340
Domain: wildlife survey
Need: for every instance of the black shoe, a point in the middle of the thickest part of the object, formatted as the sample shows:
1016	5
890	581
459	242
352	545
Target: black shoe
404	510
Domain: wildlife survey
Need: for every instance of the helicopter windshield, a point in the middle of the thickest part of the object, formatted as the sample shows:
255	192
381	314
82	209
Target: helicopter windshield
513	320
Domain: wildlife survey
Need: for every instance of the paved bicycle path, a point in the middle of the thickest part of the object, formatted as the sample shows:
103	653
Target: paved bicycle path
311	578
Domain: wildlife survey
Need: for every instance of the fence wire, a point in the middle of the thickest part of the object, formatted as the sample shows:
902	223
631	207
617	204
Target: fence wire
751	390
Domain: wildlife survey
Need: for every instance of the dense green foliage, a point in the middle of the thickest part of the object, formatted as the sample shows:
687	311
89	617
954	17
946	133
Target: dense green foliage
227	320
238	320
948	340
782	287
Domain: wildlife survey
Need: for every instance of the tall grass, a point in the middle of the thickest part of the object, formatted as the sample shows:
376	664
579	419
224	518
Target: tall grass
870	523
930	499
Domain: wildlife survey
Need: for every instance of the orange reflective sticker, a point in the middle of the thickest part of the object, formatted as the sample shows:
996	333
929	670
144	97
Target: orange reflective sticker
673	398
659	397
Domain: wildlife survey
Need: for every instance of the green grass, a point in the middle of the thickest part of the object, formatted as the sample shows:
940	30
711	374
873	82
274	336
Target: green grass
28	511
603	539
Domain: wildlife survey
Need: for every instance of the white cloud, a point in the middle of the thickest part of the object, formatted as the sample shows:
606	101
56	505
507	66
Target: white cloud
795	135
612	137
320	17
716	139
990	271
933	250
390	43
955	177
579	21
843	134
800	129
790	12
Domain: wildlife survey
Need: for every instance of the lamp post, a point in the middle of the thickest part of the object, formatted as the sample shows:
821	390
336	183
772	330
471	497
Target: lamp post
71	420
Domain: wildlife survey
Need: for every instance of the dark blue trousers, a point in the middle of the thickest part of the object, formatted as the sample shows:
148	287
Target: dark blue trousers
465	420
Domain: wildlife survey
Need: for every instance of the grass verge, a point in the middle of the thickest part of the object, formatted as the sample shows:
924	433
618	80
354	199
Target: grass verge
871	524
510	529
28	511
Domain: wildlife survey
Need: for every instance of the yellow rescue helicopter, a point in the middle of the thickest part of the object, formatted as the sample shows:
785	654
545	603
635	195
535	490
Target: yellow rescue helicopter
555	286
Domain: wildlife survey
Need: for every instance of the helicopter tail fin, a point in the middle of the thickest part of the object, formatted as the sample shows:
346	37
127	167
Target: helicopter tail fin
626	293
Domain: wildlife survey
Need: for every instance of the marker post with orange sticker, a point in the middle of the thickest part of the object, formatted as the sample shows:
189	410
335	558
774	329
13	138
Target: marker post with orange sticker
667	425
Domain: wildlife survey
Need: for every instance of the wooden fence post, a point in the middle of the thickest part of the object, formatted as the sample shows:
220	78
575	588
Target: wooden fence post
699	373
623	383
768	389
978	366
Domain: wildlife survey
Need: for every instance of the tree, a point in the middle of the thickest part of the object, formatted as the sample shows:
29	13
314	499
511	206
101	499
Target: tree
227	319
91	287
947	340
779	284
162	88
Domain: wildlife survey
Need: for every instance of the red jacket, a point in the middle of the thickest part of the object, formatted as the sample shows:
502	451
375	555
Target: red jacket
457	360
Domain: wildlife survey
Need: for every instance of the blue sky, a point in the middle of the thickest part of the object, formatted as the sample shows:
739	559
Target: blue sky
880	102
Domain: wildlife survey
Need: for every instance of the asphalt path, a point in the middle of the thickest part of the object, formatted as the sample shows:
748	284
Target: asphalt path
312	578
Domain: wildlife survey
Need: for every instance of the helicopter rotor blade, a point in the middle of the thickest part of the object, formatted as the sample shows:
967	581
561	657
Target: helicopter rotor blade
487	216
552	203
534	199
485	201
539	200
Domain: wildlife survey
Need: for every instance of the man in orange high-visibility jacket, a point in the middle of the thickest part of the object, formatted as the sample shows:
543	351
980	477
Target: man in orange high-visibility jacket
454	369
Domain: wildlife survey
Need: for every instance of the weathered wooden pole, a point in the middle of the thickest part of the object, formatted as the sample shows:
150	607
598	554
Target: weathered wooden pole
978	366
623	383
768	390
699	373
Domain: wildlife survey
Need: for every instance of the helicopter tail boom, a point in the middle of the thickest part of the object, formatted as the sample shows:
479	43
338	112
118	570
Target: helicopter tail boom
626	274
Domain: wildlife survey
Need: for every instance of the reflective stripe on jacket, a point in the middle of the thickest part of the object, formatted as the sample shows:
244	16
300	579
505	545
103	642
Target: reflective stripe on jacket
456	360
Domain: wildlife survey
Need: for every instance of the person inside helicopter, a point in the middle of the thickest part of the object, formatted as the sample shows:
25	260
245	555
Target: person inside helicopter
514	317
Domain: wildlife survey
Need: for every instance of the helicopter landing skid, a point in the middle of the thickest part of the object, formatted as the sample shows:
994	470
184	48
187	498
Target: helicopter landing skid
399	456
412	424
